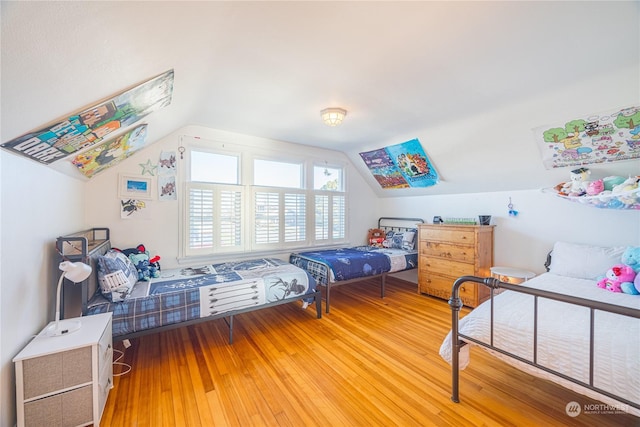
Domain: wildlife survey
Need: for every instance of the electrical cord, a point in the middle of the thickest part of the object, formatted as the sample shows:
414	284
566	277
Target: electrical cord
126	368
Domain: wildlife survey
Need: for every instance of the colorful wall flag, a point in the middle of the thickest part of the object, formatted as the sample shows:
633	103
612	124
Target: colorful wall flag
597	138
401	166
89	127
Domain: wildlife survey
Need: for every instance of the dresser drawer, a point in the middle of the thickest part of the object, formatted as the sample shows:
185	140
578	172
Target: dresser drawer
447	251
446	267
71	408
440	286
52	372
449	234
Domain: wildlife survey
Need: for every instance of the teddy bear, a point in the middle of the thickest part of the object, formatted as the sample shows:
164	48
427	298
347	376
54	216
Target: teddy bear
631	257
578	184
619	278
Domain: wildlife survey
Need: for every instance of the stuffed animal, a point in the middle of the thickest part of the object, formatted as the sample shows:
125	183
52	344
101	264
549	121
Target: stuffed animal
376	237
619	278
636	283
148	268
595	187
578	184
631	257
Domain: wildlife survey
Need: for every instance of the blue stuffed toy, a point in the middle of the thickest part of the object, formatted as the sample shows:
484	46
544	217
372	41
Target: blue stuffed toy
631	257
148	268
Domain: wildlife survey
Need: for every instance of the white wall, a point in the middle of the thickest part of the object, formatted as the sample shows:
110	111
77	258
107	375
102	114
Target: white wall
160	233
37	205
524	240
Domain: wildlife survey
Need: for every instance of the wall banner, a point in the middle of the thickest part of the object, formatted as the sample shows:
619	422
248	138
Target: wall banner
86	128
598	138
401	166
111	152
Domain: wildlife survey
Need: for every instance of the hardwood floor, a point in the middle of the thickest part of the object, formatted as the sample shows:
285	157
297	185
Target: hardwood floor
370	362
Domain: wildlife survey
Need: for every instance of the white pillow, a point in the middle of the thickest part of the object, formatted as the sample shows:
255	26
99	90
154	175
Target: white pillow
583	261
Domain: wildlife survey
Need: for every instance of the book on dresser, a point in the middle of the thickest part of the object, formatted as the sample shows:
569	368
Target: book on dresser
447	252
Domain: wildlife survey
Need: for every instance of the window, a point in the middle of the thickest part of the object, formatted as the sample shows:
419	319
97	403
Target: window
268	207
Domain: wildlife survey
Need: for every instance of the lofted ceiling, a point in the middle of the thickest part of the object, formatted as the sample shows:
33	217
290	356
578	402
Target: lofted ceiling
449	73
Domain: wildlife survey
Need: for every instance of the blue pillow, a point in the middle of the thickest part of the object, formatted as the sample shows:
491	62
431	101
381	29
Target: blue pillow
404	240
116	275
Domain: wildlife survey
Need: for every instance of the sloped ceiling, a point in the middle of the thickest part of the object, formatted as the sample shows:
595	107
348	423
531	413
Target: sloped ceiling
469	79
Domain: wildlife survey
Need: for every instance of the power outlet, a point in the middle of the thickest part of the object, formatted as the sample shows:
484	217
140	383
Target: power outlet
126	343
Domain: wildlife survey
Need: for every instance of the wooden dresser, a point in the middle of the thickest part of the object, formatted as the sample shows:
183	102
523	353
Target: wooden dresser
447	252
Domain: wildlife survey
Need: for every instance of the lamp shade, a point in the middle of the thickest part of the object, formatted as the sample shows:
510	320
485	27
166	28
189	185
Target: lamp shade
333	116
75	271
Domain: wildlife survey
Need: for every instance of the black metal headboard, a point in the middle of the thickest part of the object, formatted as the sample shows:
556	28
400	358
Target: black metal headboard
398	223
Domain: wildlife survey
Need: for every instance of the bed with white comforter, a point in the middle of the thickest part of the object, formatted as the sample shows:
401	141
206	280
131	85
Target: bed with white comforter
563	336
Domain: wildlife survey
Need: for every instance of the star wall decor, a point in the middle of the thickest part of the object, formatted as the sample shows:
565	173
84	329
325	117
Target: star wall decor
148	167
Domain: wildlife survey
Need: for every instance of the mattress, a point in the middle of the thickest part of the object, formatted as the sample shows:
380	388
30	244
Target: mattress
563	336
189	293
354	262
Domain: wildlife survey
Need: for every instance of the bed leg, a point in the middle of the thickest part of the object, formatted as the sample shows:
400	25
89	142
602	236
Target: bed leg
318	299
231	329
456	304
328	293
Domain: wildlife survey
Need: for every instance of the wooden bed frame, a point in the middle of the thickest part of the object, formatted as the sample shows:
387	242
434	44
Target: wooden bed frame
494	284
383	276
87	246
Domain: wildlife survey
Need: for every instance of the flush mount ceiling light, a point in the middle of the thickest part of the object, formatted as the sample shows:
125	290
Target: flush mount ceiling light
333	116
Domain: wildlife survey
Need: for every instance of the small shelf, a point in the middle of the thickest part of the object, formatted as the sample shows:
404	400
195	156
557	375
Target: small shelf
621	201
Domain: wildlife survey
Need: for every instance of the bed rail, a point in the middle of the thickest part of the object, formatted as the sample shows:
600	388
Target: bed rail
457	338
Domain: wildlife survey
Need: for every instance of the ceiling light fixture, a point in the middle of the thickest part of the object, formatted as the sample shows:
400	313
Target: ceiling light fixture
333	116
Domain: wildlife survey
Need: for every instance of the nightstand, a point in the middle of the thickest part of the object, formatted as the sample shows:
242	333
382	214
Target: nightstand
65	380
511	275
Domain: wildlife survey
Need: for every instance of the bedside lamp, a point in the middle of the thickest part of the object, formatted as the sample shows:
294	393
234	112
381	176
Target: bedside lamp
75	272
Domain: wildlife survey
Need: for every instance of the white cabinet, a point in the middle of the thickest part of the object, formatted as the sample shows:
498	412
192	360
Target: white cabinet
65	380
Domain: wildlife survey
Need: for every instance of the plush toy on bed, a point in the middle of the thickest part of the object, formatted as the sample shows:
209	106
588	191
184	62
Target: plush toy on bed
148	268
619	278
376	237
631	257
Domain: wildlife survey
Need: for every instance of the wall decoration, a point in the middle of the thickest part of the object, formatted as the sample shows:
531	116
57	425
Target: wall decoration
132	208
167	163
110	153
137	187
88	127
148	168
598	138
401	166
167	187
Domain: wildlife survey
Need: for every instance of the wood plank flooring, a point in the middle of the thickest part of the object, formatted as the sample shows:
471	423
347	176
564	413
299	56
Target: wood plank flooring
370	362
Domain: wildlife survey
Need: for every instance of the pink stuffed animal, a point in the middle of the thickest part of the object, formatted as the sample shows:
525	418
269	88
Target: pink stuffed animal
617	277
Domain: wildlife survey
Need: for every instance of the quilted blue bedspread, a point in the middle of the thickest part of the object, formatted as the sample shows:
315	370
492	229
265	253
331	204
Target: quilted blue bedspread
185	294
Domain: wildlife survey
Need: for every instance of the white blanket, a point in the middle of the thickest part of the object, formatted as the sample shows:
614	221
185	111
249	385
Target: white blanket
563	336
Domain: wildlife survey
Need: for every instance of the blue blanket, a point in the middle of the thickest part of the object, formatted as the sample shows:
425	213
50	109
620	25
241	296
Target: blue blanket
351	263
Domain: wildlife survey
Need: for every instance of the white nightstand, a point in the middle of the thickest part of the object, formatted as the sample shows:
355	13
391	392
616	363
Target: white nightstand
511	275
65	380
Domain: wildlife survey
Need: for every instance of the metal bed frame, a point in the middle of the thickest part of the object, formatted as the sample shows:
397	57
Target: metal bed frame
382	276
87	245
457	338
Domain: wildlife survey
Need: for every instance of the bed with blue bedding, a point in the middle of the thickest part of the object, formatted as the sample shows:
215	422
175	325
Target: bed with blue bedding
332	267
189	295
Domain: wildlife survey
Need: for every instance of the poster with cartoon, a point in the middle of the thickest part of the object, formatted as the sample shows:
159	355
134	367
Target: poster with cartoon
597	138
110	153
401	166
89	127
167	187
133	208
167	163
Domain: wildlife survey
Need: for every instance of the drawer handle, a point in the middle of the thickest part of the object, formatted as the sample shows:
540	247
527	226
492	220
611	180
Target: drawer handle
462	289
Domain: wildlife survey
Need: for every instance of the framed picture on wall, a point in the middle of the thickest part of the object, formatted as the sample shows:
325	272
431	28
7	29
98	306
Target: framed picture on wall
135	187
